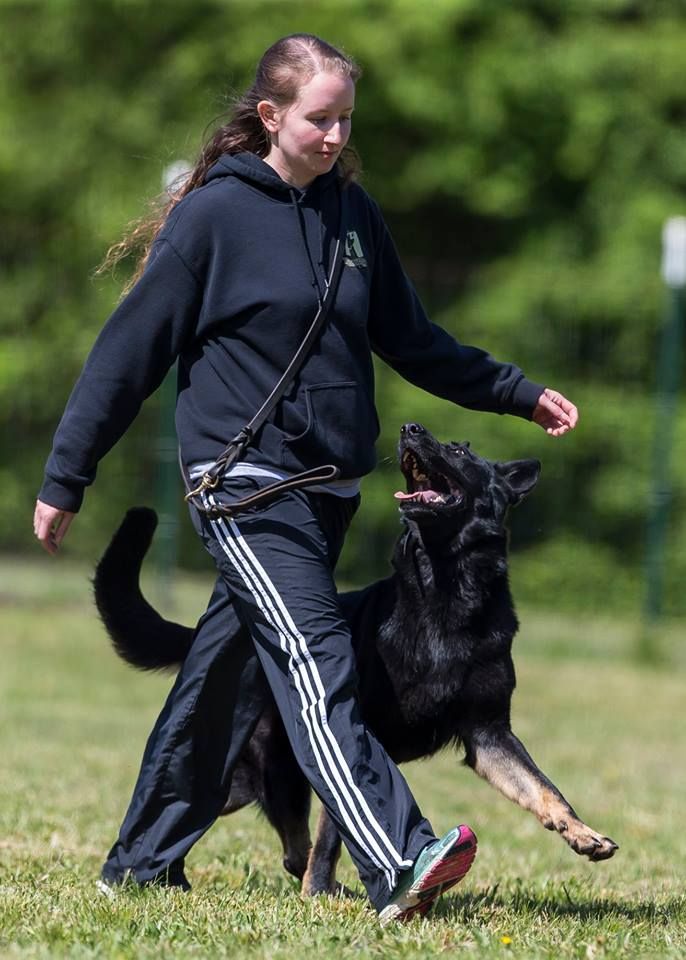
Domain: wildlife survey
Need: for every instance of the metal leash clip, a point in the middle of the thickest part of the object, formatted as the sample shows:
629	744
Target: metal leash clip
208	482
211	477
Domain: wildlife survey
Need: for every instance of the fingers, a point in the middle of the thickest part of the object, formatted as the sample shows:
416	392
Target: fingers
566	406
50	525
61	527
555	414
43	528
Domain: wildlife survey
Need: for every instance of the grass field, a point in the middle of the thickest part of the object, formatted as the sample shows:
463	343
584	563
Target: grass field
610	733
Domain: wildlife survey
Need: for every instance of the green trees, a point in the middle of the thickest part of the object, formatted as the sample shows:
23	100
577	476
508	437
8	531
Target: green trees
525	155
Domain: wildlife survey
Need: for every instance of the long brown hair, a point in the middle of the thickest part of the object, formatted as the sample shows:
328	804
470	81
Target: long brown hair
284	68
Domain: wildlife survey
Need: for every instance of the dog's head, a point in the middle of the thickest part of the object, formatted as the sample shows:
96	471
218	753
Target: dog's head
448	484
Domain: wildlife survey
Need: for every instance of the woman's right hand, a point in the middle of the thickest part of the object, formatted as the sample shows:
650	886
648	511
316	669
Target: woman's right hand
50	525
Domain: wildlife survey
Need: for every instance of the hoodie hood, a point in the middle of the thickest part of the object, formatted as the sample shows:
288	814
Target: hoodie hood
307	205
253	170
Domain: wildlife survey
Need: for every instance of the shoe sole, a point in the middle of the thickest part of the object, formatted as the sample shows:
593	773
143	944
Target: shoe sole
447	870
105	889
111	889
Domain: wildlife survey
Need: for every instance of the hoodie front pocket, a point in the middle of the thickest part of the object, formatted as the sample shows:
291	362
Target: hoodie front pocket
340	427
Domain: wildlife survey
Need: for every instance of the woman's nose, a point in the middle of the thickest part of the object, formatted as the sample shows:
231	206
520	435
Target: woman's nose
334	134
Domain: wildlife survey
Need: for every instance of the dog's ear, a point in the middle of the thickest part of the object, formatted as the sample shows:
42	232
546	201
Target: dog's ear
521	476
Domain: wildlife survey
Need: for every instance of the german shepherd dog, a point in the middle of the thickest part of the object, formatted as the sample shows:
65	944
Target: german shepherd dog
433	644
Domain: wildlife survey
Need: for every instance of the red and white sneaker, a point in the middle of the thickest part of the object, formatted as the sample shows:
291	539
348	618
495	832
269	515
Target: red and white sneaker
439	866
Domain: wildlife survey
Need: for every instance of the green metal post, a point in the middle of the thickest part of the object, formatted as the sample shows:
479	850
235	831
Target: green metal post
668	376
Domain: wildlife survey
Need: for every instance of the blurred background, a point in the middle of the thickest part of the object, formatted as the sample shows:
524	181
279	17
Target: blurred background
526	156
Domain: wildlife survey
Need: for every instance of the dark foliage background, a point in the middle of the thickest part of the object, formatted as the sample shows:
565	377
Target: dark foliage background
526	156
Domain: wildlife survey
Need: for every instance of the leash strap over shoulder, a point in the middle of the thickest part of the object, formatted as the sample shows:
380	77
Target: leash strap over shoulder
236	447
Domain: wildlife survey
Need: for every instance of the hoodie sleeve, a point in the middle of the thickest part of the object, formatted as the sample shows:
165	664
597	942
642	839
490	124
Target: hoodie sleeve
428	356
128	361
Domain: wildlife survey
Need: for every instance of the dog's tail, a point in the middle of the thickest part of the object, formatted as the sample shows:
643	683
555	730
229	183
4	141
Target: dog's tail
138	633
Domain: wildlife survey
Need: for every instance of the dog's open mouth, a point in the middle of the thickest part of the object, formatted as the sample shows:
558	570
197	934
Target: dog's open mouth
424	485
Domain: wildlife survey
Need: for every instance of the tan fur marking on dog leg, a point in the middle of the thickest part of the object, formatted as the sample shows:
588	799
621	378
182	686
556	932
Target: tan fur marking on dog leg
313	881
529	789
504	771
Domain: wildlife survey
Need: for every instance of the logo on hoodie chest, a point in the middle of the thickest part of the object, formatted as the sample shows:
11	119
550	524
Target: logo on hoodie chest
354	254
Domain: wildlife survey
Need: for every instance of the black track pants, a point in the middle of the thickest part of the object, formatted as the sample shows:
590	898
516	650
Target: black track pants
275	577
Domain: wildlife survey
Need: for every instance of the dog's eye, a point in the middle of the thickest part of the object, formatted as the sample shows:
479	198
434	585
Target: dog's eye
457	447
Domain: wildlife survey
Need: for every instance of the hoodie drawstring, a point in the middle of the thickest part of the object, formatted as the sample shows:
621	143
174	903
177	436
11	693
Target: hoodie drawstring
316	275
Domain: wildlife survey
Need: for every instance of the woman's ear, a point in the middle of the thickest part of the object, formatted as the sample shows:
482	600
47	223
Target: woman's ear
269	116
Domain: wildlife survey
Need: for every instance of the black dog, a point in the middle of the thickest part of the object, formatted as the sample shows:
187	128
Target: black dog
433	644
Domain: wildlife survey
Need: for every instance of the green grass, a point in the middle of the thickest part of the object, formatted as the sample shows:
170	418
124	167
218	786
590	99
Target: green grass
73	721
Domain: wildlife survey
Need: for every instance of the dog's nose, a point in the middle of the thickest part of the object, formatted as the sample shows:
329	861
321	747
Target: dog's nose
411	429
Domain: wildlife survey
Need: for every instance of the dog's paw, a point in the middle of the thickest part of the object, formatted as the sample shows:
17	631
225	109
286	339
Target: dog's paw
604	849
318	882
296	866
588	843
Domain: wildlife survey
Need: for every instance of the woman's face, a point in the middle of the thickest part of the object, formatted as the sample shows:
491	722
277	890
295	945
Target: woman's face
308	136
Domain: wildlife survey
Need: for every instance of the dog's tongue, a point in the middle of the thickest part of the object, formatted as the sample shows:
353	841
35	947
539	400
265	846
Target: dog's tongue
424	495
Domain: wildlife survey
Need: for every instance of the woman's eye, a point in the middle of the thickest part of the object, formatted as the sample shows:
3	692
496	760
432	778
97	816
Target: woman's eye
324	119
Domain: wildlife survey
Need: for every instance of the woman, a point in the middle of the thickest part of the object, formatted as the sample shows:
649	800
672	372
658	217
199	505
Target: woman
239	262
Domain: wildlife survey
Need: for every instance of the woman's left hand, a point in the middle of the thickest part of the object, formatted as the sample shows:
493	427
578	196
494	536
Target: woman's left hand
555	413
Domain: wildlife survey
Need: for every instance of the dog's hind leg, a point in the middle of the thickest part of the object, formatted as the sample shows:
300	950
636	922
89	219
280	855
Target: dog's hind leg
320	876
284	795
242	790
496	754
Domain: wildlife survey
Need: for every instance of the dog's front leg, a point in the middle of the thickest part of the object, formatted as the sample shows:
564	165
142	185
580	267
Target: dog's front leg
496	754
320	876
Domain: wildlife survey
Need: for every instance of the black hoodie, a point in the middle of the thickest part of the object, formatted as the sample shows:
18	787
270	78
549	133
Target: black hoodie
230	288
